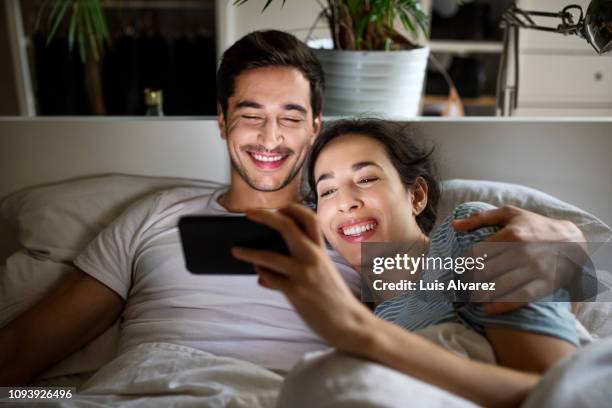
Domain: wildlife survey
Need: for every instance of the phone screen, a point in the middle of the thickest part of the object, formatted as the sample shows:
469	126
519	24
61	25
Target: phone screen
207	242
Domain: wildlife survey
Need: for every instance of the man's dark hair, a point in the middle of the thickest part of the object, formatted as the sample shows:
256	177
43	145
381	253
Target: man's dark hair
265	49
407	156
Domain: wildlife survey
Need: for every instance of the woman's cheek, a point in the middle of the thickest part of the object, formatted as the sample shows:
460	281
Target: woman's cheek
329	237
324	220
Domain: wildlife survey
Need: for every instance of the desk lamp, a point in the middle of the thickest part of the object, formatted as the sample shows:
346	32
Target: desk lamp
595	26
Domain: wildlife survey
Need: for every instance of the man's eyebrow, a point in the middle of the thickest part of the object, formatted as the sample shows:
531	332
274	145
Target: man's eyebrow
248	104
295	106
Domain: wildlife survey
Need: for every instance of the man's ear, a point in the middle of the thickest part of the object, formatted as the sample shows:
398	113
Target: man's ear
316	128
221	121
419	195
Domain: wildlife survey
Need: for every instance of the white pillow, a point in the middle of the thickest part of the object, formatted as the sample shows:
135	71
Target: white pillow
595	316
459	191
56	221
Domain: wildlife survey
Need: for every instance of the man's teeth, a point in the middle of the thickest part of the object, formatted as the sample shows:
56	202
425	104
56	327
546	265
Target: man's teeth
267	158
355	230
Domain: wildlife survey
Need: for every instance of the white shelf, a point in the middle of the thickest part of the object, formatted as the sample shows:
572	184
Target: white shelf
466	47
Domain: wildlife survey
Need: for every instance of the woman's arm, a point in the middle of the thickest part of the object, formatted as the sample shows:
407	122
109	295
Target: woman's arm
526	351
311	283
524	357
484	384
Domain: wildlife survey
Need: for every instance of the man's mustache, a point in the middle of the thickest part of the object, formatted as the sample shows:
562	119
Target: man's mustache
284	151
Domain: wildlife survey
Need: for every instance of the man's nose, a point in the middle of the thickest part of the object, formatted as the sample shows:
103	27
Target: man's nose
270	135
349	200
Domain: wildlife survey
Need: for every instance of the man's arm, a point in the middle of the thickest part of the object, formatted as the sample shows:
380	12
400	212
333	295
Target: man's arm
522	227
518	225
72	314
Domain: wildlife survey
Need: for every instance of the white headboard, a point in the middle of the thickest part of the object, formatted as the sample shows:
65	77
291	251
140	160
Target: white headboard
569	159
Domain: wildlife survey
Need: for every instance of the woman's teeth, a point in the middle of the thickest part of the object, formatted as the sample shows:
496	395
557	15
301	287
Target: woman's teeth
356	230
267	158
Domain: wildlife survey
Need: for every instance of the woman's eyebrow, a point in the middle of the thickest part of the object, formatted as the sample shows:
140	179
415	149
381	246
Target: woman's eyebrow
325	176
360	165
355	167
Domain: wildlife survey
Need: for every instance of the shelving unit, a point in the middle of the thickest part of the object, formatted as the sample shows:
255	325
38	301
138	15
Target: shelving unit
481	101
470	50
486	51
466	47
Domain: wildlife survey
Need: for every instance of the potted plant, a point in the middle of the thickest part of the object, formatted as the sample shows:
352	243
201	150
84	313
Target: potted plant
87	28
373	68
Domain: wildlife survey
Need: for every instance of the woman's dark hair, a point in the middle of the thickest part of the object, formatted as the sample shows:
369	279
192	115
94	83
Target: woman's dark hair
409	158
261	49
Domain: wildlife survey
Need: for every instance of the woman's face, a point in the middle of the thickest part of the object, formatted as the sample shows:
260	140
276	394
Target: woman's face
361	197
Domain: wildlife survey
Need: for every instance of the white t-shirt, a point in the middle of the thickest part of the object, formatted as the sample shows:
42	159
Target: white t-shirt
139	256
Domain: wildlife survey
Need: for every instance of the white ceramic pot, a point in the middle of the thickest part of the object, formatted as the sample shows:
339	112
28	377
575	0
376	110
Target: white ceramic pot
379	83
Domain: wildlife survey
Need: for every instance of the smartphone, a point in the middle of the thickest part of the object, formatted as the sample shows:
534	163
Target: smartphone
207	242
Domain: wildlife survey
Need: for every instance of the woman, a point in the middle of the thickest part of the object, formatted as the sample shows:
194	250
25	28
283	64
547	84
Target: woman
372	183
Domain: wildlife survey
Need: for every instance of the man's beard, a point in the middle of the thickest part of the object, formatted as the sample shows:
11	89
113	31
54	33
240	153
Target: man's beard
244	176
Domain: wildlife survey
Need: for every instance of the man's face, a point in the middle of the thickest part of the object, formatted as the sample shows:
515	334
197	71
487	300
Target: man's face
269	126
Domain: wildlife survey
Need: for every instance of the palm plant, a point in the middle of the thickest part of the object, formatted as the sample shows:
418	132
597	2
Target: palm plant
86	27
369	24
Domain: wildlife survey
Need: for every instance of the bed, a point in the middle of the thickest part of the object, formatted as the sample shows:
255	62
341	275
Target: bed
63	180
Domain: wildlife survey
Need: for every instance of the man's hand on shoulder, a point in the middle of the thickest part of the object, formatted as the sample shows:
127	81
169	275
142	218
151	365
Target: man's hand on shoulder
524	255
518	225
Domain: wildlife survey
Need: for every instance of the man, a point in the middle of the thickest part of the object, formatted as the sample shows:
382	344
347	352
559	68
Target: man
269	88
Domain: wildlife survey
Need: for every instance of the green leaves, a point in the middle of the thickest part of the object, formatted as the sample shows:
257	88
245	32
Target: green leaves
268	2
86	25
369	24
412	8
56	16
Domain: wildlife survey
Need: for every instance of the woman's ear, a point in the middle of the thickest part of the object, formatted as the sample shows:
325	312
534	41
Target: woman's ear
419	195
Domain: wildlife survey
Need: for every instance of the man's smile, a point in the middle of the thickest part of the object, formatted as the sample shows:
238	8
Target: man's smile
269	161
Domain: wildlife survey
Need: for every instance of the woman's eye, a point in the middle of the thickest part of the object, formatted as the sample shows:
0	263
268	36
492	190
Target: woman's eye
366	180
327	192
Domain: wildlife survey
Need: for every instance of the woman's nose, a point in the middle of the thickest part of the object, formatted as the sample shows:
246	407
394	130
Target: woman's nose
349	201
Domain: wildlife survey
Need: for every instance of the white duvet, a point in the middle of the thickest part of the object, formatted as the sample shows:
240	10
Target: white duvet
167	375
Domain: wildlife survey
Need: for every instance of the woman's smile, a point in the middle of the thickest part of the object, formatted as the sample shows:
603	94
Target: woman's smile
357	230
